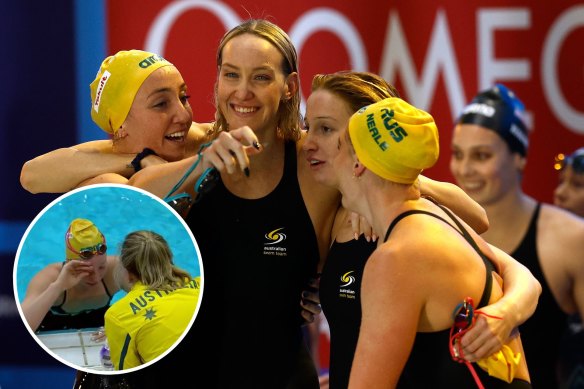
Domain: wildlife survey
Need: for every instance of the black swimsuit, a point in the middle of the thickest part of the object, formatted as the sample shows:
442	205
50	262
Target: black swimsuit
340	293
258	255
59	319
430	364
542	332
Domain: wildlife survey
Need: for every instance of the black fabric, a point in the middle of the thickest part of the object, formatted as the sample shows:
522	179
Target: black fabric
58	319
247	333
430	364
340	297
571	360
137	161
541	333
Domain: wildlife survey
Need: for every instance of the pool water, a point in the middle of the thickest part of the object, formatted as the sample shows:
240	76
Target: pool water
116	210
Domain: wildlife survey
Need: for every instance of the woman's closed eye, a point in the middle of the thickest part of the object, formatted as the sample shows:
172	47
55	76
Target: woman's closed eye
185	99
161	104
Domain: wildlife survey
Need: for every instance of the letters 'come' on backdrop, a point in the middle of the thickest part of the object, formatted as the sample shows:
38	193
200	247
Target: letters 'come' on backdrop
438	54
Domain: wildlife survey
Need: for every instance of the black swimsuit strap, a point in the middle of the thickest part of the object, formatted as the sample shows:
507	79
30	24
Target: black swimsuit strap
106	290
487	261
59	308
408	213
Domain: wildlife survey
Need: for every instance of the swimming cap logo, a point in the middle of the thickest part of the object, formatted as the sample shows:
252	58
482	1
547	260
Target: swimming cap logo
519	135
395	130
101	85
362	109
150	61
481	109
275	236
347	278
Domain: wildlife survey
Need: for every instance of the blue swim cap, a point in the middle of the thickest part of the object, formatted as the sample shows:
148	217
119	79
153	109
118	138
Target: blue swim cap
498	109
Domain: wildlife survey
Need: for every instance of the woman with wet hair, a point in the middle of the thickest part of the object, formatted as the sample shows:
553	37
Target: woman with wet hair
159	306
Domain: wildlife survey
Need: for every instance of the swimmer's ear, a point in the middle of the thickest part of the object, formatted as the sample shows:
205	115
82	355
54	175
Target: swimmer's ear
519	161
121	133
358	168
291	88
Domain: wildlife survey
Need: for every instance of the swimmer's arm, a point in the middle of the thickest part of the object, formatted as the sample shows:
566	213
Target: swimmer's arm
521	288
521	293
160	179
227	152
41	294
454	198
61	170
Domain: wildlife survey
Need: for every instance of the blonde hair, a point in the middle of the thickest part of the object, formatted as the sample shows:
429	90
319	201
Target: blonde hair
147	255
357	89
289	110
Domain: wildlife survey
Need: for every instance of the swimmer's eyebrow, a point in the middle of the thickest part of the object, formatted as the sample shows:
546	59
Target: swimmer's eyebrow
265	68
166	89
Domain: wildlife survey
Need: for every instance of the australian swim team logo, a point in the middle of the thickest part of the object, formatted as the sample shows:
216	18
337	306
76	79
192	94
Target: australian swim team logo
274	238
348	278
345	290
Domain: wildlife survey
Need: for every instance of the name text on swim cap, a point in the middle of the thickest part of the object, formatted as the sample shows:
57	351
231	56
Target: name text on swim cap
102	82
375	132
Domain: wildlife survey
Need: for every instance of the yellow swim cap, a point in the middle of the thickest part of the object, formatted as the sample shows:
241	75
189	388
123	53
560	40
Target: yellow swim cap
83	237
117	83
394	139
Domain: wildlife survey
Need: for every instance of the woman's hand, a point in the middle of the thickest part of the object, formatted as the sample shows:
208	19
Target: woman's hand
232	148
360	225
310	302
73	272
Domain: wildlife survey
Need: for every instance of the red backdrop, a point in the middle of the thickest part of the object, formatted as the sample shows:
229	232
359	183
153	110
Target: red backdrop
438	54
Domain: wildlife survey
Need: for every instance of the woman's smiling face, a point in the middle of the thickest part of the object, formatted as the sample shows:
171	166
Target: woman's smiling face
160	116
482	163
251	84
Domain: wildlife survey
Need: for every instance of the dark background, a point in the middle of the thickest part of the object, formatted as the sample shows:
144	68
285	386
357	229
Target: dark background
37	112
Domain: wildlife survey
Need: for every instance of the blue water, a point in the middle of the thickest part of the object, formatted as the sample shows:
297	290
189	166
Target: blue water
116	211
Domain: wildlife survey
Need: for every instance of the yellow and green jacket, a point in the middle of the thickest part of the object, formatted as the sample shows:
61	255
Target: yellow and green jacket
146	323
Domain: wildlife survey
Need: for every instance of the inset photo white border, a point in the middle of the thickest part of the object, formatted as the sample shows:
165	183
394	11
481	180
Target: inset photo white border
116	210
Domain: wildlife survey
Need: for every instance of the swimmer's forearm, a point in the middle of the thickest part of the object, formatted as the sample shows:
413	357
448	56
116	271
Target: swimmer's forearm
35	309
521	288
160	179
455	199
64	169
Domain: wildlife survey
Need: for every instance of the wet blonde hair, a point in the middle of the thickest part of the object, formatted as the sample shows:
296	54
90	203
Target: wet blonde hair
147	255
357	89
289	110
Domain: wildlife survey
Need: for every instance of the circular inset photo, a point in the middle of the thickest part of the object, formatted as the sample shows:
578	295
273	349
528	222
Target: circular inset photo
108	279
